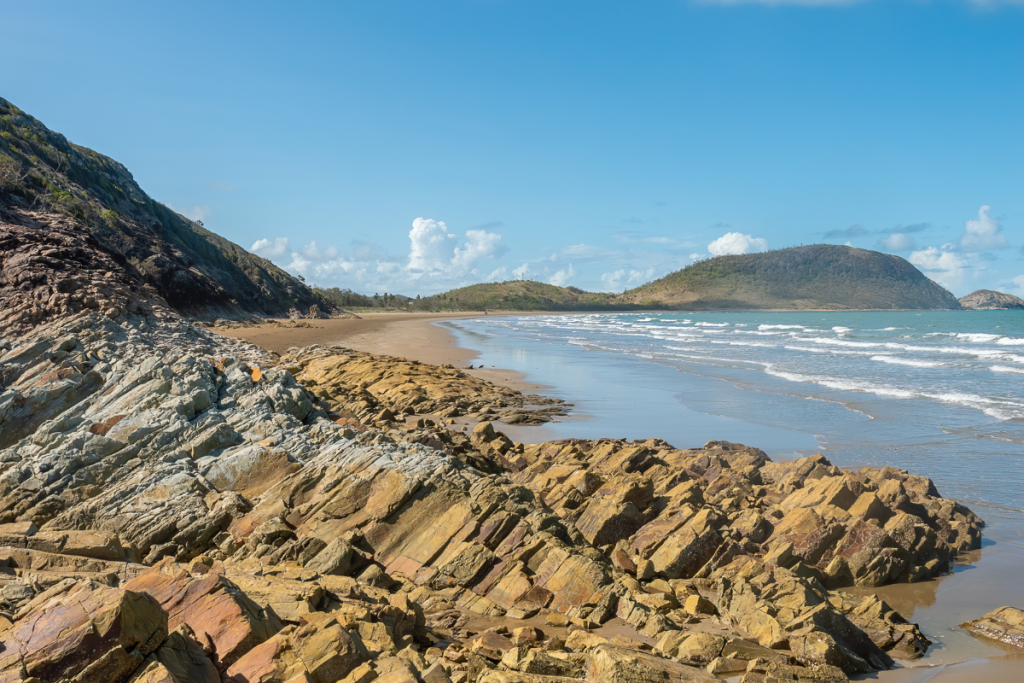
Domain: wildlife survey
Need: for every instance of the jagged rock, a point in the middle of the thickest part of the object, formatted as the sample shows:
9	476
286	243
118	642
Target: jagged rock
612	664
86	632
221	616
1005	624
180	659
320	649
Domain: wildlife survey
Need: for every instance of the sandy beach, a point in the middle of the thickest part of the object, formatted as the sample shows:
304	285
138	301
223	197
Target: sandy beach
406	335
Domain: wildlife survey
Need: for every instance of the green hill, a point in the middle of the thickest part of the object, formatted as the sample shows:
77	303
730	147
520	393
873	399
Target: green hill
820	276
522	295
195	270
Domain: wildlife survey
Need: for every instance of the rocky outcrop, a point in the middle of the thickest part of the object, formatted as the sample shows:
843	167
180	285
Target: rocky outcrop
987	299
1005	624
259	531
48	268
382	388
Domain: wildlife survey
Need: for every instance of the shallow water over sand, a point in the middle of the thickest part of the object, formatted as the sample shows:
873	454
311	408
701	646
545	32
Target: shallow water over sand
938	393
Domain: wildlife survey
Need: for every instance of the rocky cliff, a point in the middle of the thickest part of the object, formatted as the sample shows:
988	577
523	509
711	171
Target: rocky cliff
987	299
176	506
52	184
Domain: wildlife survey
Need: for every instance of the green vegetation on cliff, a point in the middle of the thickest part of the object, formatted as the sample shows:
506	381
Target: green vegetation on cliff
820	276
195	270
522	295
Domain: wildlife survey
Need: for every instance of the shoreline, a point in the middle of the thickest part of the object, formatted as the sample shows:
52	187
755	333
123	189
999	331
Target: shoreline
419	337
413	336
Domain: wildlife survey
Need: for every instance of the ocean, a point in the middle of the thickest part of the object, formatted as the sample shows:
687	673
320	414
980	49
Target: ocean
938	393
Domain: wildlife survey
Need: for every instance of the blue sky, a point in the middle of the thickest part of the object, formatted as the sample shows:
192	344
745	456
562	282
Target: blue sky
415	146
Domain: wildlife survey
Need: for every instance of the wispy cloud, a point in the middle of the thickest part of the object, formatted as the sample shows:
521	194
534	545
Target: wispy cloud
847	233
897	241
196	212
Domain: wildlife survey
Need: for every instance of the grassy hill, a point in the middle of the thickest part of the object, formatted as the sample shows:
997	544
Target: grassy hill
820	276
522	295
195	270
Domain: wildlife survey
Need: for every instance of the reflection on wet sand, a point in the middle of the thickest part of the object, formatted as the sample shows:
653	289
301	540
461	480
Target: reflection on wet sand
1008	669
906	598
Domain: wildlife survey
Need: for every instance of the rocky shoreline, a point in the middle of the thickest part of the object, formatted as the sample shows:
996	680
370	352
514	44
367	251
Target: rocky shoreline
178	506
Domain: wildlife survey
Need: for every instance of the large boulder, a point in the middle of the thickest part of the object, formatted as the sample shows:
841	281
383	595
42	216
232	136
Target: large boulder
86	633
216	611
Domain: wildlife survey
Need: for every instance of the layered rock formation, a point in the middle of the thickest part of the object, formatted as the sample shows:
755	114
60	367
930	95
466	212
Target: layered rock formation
987	299
176	506
1005	624
374	388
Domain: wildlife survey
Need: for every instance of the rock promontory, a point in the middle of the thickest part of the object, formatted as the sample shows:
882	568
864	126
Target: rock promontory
987	299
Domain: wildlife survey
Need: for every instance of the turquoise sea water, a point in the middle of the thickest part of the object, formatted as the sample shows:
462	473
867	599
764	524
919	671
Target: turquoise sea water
939	393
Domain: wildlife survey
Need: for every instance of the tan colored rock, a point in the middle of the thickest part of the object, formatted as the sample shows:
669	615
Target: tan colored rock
87	632
697	604
612	664
212	607
1005	624
180	659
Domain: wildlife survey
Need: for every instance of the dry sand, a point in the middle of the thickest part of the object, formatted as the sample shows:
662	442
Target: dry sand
407	335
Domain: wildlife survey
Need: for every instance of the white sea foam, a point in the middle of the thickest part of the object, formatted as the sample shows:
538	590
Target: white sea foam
893	360
977	337
999	409
842	330
712	324
781	327
1006	368
1010	341
841	342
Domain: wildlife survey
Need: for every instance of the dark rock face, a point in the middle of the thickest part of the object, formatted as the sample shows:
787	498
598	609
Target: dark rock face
46	180
987	299
50	268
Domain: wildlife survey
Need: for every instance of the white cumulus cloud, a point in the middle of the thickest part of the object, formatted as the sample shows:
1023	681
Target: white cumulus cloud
944	265
737	243
562	277
313	252
479	244
270	249
983	233
432	246
522	271
615	280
